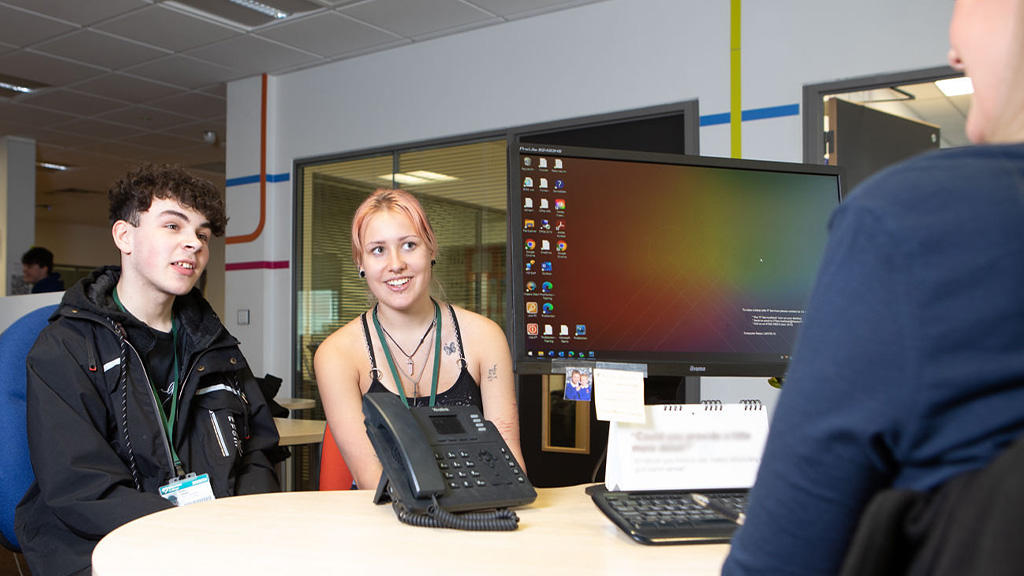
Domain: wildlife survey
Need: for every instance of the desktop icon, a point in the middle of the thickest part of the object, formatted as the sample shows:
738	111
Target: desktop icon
559	184
528	202
531	307
558	163
559	204
561	354
544	204
549	330
531	244
528	182
529	265
543	182
527	161
545	224
548	308
581	330
532	329
559	225
542	163
545	245
572	354
547	287
560	246
528	224
531	286
546	267
563	331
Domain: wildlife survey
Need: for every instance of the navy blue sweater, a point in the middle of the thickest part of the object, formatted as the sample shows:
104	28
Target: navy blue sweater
909	366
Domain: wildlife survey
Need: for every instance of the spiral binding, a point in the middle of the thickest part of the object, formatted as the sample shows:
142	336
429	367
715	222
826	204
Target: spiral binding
712	405
752	404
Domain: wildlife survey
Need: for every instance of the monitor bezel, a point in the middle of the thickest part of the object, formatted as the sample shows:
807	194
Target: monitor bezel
709	364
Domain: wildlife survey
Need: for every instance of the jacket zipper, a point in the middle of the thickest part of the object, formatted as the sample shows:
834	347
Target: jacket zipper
178	471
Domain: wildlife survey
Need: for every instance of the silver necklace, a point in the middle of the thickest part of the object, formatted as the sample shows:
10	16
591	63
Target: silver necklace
408	357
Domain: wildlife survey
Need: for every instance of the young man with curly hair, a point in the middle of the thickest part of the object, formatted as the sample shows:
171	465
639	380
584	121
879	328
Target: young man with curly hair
135	385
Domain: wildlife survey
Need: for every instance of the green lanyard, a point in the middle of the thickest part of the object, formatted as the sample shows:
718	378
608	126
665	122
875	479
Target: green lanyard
168	421
391	361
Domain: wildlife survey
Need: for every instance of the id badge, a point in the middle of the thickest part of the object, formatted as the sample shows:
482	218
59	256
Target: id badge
188	489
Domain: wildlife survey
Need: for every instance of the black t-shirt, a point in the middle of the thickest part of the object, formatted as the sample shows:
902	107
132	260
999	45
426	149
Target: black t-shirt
160	367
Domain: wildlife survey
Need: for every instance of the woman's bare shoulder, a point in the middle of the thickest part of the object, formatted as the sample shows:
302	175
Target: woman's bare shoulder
344	340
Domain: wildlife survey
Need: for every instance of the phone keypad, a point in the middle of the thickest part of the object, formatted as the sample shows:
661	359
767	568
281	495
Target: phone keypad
467	470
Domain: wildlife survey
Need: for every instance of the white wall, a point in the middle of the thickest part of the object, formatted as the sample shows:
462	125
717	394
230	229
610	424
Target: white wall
605	57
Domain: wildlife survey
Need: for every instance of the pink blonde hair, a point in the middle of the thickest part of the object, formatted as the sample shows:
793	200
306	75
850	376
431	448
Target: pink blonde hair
395	201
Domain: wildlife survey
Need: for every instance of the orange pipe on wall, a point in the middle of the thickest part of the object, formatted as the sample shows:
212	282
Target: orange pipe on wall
263	173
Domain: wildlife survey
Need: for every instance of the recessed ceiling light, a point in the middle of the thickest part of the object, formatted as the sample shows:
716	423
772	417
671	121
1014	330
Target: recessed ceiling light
955	86
417	177
261	8
18	85
51	166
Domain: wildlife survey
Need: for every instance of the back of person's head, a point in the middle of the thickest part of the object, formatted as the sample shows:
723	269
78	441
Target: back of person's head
399	201
39	256
133	194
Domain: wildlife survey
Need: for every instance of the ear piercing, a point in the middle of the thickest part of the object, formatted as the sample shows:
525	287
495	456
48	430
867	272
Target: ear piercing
362	273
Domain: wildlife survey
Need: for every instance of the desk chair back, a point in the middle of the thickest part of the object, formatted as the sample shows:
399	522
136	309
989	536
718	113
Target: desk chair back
15	467
334	474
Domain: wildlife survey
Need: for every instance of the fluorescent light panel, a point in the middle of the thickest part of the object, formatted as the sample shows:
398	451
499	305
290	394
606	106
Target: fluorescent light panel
955	86
418	177
51	166
261	8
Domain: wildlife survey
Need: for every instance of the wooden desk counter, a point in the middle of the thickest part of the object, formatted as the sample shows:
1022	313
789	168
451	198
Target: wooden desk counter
561	533
296	431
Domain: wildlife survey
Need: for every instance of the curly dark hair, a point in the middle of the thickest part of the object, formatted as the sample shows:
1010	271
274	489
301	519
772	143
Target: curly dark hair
133	194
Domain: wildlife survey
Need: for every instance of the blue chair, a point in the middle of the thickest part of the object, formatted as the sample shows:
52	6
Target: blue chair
15	467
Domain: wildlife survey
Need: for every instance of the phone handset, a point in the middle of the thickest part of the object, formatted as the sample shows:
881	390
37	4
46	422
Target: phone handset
408	455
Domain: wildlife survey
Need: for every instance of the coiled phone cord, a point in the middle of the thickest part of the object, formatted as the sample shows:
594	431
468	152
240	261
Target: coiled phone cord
501	519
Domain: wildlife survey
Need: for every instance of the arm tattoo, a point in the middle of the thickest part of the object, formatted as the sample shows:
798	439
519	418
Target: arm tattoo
492	372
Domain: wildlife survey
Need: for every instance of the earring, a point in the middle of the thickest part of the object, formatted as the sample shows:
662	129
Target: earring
362	273
432	262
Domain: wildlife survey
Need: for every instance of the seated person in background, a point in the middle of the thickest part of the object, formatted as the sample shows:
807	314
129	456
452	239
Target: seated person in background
393	347
135	382
37	270
909	365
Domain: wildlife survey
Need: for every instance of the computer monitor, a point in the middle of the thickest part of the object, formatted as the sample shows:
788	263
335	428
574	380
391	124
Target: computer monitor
694	266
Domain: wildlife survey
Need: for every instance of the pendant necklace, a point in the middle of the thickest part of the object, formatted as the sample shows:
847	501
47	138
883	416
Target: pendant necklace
409	360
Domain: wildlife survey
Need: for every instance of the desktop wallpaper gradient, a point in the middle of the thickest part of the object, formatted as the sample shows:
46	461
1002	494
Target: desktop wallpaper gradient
671	258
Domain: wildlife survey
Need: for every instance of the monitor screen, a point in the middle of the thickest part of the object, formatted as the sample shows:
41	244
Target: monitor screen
691	265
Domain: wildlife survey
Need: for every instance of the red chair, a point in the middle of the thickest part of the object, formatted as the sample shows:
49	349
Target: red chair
334	474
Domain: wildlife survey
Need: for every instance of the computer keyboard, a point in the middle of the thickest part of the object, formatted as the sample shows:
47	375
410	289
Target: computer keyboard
671	517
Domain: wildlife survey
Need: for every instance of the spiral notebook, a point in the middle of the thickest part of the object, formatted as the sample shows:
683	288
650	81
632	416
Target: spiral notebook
688	447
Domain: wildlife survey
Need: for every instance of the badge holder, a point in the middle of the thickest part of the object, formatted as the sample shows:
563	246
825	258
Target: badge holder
188	489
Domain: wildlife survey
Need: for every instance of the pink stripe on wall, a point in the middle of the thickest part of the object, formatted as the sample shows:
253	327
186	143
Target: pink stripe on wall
257	265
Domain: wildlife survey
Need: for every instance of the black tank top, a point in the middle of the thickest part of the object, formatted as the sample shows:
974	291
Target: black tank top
465	391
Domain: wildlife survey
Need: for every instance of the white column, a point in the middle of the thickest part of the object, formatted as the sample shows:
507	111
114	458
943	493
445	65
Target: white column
17	205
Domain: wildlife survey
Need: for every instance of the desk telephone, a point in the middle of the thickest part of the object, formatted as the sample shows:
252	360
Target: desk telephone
444	459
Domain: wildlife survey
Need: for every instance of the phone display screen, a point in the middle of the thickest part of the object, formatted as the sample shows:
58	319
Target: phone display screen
447	425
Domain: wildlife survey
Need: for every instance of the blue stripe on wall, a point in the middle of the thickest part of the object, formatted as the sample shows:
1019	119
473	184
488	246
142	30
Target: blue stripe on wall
283	177
754	114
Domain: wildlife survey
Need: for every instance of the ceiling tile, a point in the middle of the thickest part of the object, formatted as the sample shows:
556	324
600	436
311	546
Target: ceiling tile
523	8
18	113
99	49
252	55
46	69
167	28
22	28
220	90
81	12
414	19
328	35
195	104
126	88
98	129
121	150
143	118
183	71
62	139
159	141
196	129
72	102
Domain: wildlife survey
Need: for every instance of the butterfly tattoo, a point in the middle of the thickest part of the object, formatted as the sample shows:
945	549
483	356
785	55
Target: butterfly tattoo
449	348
